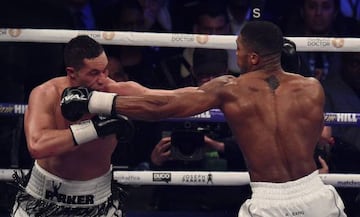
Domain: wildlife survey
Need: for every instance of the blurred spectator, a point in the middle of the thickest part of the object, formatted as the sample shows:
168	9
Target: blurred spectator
319	18
343	96
351	8
157	15
239	12
210	18
139	62
81	13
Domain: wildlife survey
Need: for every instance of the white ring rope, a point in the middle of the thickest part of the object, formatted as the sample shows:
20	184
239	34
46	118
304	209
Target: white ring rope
169	39
201	178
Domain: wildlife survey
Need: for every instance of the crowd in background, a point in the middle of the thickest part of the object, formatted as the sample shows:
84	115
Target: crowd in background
25	65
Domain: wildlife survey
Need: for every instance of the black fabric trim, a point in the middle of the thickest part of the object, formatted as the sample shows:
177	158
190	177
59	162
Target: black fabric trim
43	208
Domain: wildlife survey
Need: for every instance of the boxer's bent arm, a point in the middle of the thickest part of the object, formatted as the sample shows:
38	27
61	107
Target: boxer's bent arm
43	139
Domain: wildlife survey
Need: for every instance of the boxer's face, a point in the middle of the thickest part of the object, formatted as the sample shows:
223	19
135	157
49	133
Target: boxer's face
94	73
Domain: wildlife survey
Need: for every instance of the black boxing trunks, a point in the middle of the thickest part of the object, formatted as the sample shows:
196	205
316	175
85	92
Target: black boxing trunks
305	197
48	195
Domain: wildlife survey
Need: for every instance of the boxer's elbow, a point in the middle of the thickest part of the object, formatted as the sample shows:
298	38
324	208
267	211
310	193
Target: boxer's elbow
41	147
35	149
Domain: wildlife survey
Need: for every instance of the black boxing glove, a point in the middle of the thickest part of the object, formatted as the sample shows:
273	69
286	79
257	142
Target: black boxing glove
100	126
76	101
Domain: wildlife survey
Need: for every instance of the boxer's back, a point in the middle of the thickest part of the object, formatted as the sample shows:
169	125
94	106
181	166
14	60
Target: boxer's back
277	120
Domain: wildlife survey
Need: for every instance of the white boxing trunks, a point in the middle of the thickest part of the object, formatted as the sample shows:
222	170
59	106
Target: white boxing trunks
305	197
49	195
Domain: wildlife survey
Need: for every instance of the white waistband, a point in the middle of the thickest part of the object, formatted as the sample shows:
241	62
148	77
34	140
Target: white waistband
44	185
293	189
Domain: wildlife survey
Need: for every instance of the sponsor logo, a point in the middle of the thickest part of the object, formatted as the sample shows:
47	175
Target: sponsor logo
202	39
108	35
12	109
338	42
182	38
54	195
317	42
198	178
14	32
129	178
6	109
92	34
349	183
73	97
330	117
19	109
162	177
347	117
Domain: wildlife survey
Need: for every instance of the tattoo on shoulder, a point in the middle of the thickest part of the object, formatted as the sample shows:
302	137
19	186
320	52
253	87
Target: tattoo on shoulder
273	82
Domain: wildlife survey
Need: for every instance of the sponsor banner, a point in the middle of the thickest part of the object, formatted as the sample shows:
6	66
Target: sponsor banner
326	44
169	39
218	178
121	38
213	115
12	109
181	178
341	119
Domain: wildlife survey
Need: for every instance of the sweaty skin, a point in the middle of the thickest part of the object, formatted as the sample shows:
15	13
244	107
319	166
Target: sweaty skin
276	117
55	150
277	129
48	136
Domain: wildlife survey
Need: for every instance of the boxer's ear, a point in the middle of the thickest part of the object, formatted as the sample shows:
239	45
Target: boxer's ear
70	72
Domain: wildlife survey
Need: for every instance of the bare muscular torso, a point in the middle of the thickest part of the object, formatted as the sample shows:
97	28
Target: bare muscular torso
89	160
277	128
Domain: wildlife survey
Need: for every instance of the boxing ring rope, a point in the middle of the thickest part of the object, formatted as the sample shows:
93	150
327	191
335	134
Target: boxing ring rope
201	178
169	39
213	115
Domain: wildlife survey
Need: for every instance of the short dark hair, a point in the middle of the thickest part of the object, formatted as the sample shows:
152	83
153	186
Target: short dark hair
79	48
263	37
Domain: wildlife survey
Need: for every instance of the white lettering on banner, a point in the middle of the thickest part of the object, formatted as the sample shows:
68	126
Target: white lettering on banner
347	117
203	115
19	109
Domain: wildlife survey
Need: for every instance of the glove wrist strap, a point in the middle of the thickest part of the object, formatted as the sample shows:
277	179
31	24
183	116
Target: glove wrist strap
101	103
83	132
